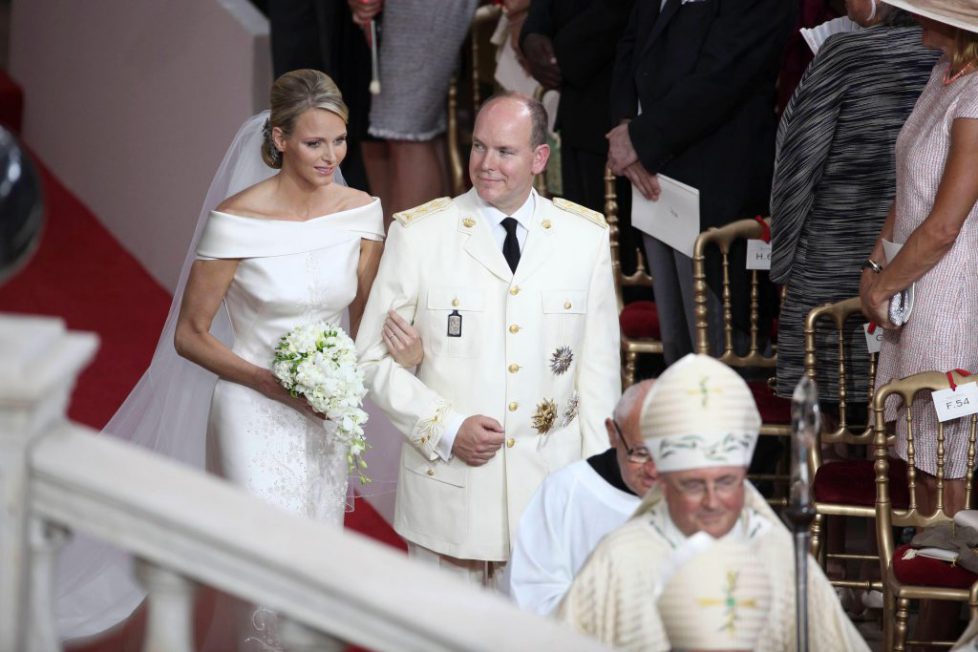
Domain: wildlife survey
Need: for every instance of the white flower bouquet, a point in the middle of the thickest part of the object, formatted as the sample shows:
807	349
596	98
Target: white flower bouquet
319	362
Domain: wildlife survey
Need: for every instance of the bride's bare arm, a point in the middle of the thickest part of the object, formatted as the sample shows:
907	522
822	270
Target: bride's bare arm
206	287
370	251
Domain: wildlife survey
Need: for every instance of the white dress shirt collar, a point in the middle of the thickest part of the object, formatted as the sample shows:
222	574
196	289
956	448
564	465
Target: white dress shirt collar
495	217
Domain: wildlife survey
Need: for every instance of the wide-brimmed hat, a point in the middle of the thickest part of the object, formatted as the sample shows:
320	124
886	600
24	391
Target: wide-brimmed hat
958	13
699	414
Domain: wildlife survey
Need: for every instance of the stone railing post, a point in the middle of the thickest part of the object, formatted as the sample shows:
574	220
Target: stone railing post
39	363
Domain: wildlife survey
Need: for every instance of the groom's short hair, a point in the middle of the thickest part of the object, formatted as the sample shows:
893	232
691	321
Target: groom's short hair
538	114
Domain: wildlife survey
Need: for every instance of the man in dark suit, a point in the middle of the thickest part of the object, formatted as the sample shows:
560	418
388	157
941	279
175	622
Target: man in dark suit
570	46
693	98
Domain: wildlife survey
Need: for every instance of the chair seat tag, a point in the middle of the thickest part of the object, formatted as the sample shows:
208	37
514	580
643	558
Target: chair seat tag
874	338
758	254
955	403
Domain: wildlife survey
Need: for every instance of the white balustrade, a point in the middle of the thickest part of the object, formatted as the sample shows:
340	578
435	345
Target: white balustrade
171	609
46	541
327	584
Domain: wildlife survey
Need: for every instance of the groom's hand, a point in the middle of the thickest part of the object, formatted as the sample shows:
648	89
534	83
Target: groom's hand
478	439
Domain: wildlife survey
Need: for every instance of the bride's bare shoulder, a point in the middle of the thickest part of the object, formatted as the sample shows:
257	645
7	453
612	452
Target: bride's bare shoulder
348	198
250	202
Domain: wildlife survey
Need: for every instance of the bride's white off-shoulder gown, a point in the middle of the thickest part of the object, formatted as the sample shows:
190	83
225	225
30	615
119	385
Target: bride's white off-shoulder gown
289	273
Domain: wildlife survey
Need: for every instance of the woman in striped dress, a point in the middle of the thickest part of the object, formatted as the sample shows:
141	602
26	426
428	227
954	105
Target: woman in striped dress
834	181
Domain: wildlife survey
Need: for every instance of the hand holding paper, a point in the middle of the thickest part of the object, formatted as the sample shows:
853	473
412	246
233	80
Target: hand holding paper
645	183
674	218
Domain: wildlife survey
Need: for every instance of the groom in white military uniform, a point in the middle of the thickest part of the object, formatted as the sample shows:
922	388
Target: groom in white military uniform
514	300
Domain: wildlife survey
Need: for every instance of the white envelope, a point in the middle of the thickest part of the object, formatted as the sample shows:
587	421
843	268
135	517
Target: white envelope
673	219
815	36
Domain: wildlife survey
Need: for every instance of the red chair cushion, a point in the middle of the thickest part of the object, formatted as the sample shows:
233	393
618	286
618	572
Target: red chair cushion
640	319
923	571
773	408
853	482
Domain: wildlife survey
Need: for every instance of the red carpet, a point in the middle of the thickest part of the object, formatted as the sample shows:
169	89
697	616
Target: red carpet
81	273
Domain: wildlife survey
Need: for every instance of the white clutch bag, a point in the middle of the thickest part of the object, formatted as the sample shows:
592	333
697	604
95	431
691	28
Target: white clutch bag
901	303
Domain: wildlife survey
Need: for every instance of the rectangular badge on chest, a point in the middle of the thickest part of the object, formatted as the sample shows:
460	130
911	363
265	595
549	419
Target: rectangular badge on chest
455	324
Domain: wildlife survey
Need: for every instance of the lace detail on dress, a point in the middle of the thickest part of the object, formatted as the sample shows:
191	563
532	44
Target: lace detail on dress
264	632
300	467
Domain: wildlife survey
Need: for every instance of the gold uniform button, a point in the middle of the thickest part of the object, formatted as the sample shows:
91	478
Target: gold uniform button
431	471
514	406
510	442
567	305
513	368
456	303
514	328
547	224
514	290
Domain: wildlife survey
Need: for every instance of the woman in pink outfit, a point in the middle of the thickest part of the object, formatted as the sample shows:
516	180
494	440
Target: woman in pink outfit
935	218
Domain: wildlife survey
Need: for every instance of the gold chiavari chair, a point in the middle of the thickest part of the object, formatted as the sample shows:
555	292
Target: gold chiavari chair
906	576
638	320
844	488
775	411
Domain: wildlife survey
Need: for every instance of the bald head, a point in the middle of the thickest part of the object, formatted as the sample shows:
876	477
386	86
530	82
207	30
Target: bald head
535	111
630	404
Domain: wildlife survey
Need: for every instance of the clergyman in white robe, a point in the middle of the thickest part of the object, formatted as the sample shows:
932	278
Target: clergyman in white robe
569	514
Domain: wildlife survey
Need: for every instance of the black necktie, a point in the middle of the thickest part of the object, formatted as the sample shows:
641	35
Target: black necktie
511	246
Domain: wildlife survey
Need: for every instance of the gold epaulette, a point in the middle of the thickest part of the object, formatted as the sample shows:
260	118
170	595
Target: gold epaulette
412	215
577	209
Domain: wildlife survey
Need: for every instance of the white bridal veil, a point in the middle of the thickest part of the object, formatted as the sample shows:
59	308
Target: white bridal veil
167	413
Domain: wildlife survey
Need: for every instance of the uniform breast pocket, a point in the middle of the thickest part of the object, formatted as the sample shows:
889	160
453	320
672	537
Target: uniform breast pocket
563	317
456	316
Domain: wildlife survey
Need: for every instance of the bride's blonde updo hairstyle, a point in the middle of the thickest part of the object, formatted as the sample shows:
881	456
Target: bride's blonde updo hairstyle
293	94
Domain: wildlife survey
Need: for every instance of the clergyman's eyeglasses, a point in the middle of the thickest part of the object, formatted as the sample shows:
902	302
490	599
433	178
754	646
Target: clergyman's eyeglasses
637	455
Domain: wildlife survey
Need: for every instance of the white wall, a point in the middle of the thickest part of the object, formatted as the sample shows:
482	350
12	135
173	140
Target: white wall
133	102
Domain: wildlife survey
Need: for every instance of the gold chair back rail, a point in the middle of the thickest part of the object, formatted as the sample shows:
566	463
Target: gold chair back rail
722	238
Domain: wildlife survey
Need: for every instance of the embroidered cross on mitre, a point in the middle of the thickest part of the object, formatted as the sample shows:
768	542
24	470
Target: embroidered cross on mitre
704	390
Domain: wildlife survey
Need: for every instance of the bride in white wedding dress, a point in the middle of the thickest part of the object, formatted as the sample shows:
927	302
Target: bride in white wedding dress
293	249
287	244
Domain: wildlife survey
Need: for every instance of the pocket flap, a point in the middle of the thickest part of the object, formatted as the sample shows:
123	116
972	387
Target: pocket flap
565	301
456	298
437	470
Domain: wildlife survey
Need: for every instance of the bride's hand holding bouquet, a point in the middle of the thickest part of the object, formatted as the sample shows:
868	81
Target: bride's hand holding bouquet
316	364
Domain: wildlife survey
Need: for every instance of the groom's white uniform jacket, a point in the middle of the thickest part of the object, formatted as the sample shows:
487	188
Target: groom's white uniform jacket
538	351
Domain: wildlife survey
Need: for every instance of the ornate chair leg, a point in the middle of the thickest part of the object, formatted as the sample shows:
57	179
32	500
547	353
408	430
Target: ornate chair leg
630	361
816	530
889	616
902	615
